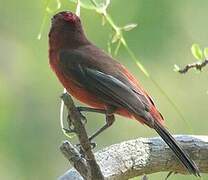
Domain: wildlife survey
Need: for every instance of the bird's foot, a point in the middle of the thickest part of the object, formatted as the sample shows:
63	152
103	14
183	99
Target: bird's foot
83	118
92	146
69	130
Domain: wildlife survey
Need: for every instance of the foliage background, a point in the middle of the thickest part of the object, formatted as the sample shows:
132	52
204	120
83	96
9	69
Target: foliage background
29	92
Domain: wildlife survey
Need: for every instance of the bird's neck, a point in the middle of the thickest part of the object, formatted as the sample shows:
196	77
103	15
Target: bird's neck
72	40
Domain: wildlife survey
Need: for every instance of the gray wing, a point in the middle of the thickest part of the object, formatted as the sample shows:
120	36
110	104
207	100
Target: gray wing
106	87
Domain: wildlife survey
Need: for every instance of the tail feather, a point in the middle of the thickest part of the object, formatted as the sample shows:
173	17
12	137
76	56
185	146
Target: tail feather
179	152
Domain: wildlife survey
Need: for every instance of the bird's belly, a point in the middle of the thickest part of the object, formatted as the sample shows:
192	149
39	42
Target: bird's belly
76	91
85	96
90	99
93	101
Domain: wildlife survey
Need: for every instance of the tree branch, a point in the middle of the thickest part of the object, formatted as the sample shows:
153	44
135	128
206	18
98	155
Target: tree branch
145	156
197	66
85	162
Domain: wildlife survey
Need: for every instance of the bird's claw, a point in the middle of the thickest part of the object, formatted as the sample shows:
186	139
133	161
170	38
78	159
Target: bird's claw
83	118
92	144
69	130
69	120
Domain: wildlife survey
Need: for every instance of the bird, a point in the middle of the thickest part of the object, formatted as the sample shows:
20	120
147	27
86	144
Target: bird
102	83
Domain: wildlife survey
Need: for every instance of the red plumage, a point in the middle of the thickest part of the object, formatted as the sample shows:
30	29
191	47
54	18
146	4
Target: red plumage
96	79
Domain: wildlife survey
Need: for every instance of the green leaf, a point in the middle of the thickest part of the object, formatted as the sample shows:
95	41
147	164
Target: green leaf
176	68
206	52
197	52
129	27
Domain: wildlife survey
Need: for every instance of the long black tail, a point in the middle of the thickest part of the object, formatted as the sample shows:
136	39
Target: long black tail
179	152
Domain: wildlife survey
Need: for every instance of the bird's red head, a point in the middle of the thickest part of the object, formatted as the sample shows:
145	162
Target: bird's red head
66	30
65	17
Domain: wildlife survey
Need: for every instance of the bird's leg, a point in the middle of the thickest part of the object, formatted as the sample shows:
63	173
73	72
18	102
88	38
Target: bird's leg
110	118
89	109
70	128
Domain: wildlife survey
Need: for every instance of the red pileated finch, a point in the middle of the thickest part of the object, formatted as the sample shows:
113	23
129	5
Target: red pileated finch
96	79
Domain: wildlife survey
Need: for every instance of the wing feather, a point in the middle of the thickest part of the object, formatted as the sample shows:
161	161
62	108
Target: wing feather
108	88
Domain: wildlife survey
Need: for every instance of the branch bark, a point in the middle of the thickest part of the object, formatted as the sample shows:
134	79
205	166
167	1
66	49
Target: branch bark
198	66
83	162
145	156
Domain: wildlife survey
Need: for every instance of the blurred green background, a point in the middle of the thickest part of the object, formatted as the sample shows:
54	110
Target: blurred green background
30	133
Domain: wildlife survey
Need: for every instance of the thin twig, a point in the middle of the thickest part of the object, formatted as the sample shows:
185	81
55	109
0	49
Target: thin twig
79	129
197	66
